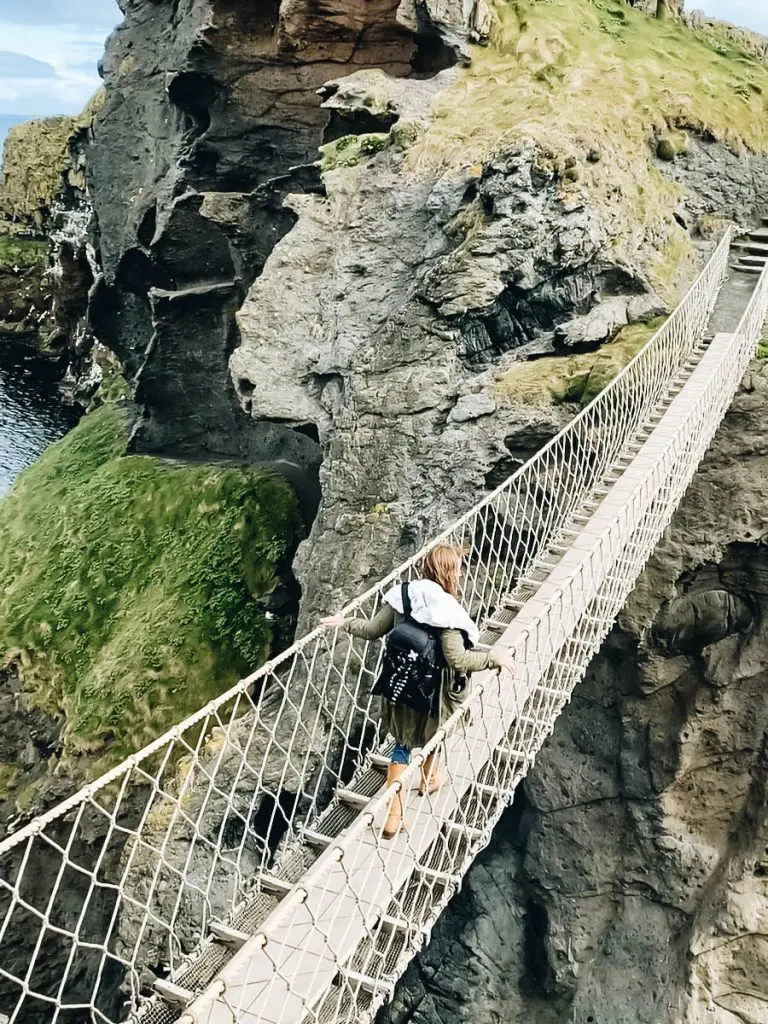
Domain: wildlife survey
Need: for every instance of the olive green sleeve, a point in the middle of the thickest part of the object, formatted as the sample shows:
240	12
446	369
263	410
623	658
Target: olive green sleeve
372	629
462	660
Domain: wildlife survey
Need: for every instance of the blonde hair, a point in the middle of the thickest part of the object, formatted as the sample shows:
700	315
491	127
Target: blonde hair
442	565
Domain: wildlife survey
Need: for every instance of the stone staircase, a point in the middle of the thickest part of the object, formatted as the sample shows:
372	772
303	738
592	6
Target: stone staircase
750	253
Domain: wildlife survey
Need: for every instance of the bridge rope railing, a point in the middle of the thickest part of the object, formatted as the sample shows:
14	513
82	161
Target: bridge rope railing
122	881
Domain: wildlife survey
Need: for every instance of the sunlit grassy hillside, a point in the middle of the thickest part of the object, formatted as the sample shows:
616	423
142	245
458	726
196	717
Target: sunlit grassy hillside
129	590
600	89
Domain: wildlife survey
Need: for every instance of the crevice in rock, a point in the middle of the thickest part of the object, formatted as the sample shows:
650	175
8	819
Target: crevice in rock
536	980
435	49
308	430
137	273
267	826
147	226
75	283
194	92
432	55
486	334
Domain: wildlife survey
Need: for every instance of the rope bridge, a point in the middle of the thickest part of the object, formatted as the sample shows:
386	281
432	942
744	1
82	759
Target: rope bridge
234	870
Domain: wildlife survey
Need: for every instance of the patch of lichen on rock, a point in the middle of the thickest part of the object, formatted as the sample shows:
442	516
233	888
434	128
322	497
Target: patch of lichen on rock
133	591
349	150
576	379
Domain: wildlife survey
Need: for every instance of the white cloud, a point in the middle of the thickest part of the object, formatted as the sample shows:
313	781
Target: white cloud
70	50
746	13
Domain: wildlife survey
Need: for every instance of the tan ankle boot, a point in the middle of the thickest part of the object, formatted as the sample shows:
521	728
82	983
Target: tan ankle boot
394	821
431	778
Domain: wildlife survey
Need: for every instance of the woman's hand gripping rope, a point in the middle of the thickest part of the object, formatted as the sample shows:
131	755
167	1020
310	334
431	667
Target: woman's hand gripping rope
505	659
333	621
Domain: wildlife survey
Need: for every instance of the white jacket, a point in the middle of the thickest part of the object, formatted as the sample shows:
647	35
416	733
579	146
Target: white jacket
433	606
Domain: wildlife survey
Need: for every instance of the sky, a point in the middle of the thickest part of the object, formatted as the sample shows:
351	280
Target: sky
48	55
49	50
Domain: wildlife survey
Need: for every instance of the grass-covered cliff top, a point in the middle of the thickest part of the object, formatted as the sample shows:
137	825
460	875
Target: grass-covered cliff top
581	75
129	589
36	163
600	89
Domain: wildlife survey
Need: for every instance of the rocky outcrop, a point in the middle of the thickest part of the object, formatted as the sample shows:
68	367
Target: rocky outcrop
629	881
25	293
713	178
222	99
46	257
753	43
37	168
224	102
382	320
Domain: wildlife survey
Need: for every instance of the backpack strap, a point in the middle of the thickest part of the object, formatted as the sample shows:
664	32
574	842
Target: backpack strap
406	600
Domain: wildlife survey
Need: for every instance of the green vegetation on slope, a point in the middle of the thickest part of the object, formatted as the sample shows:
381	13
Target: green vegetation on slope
597	86
37	164
598	74
349	150
577	378
127	586
22	253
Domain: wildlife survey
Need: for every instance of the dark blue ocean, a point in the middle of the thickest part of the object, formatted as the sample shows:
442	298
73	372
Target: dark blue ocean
31	414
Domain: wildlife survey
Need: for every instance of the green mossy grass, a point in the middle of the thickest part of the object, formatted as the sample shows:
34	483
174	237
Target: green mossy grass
129	587
23	253
576	379
349	150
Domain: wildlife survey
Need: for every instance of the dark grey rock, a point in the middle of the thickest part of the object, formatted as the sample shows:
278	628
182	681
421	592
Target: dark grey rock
203	133
718	182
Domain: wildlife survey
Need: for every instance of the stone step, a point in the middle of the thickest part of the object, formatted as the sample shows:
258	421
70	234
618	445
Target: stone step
759	248
759	235
752	261
746	269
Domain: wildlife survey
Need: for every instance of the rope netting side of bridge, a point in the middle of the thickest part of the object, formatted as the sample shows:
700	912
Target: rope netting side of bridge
124	879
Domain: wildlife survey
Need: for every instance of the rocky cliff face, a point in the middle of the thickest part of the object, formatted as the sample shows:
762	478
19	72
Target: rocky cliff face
47	260
222	99
629	882
225	105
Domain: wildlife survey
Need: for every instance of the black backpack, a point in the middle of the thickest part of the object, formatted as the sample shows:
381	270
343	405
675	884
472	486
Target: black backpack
413	663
